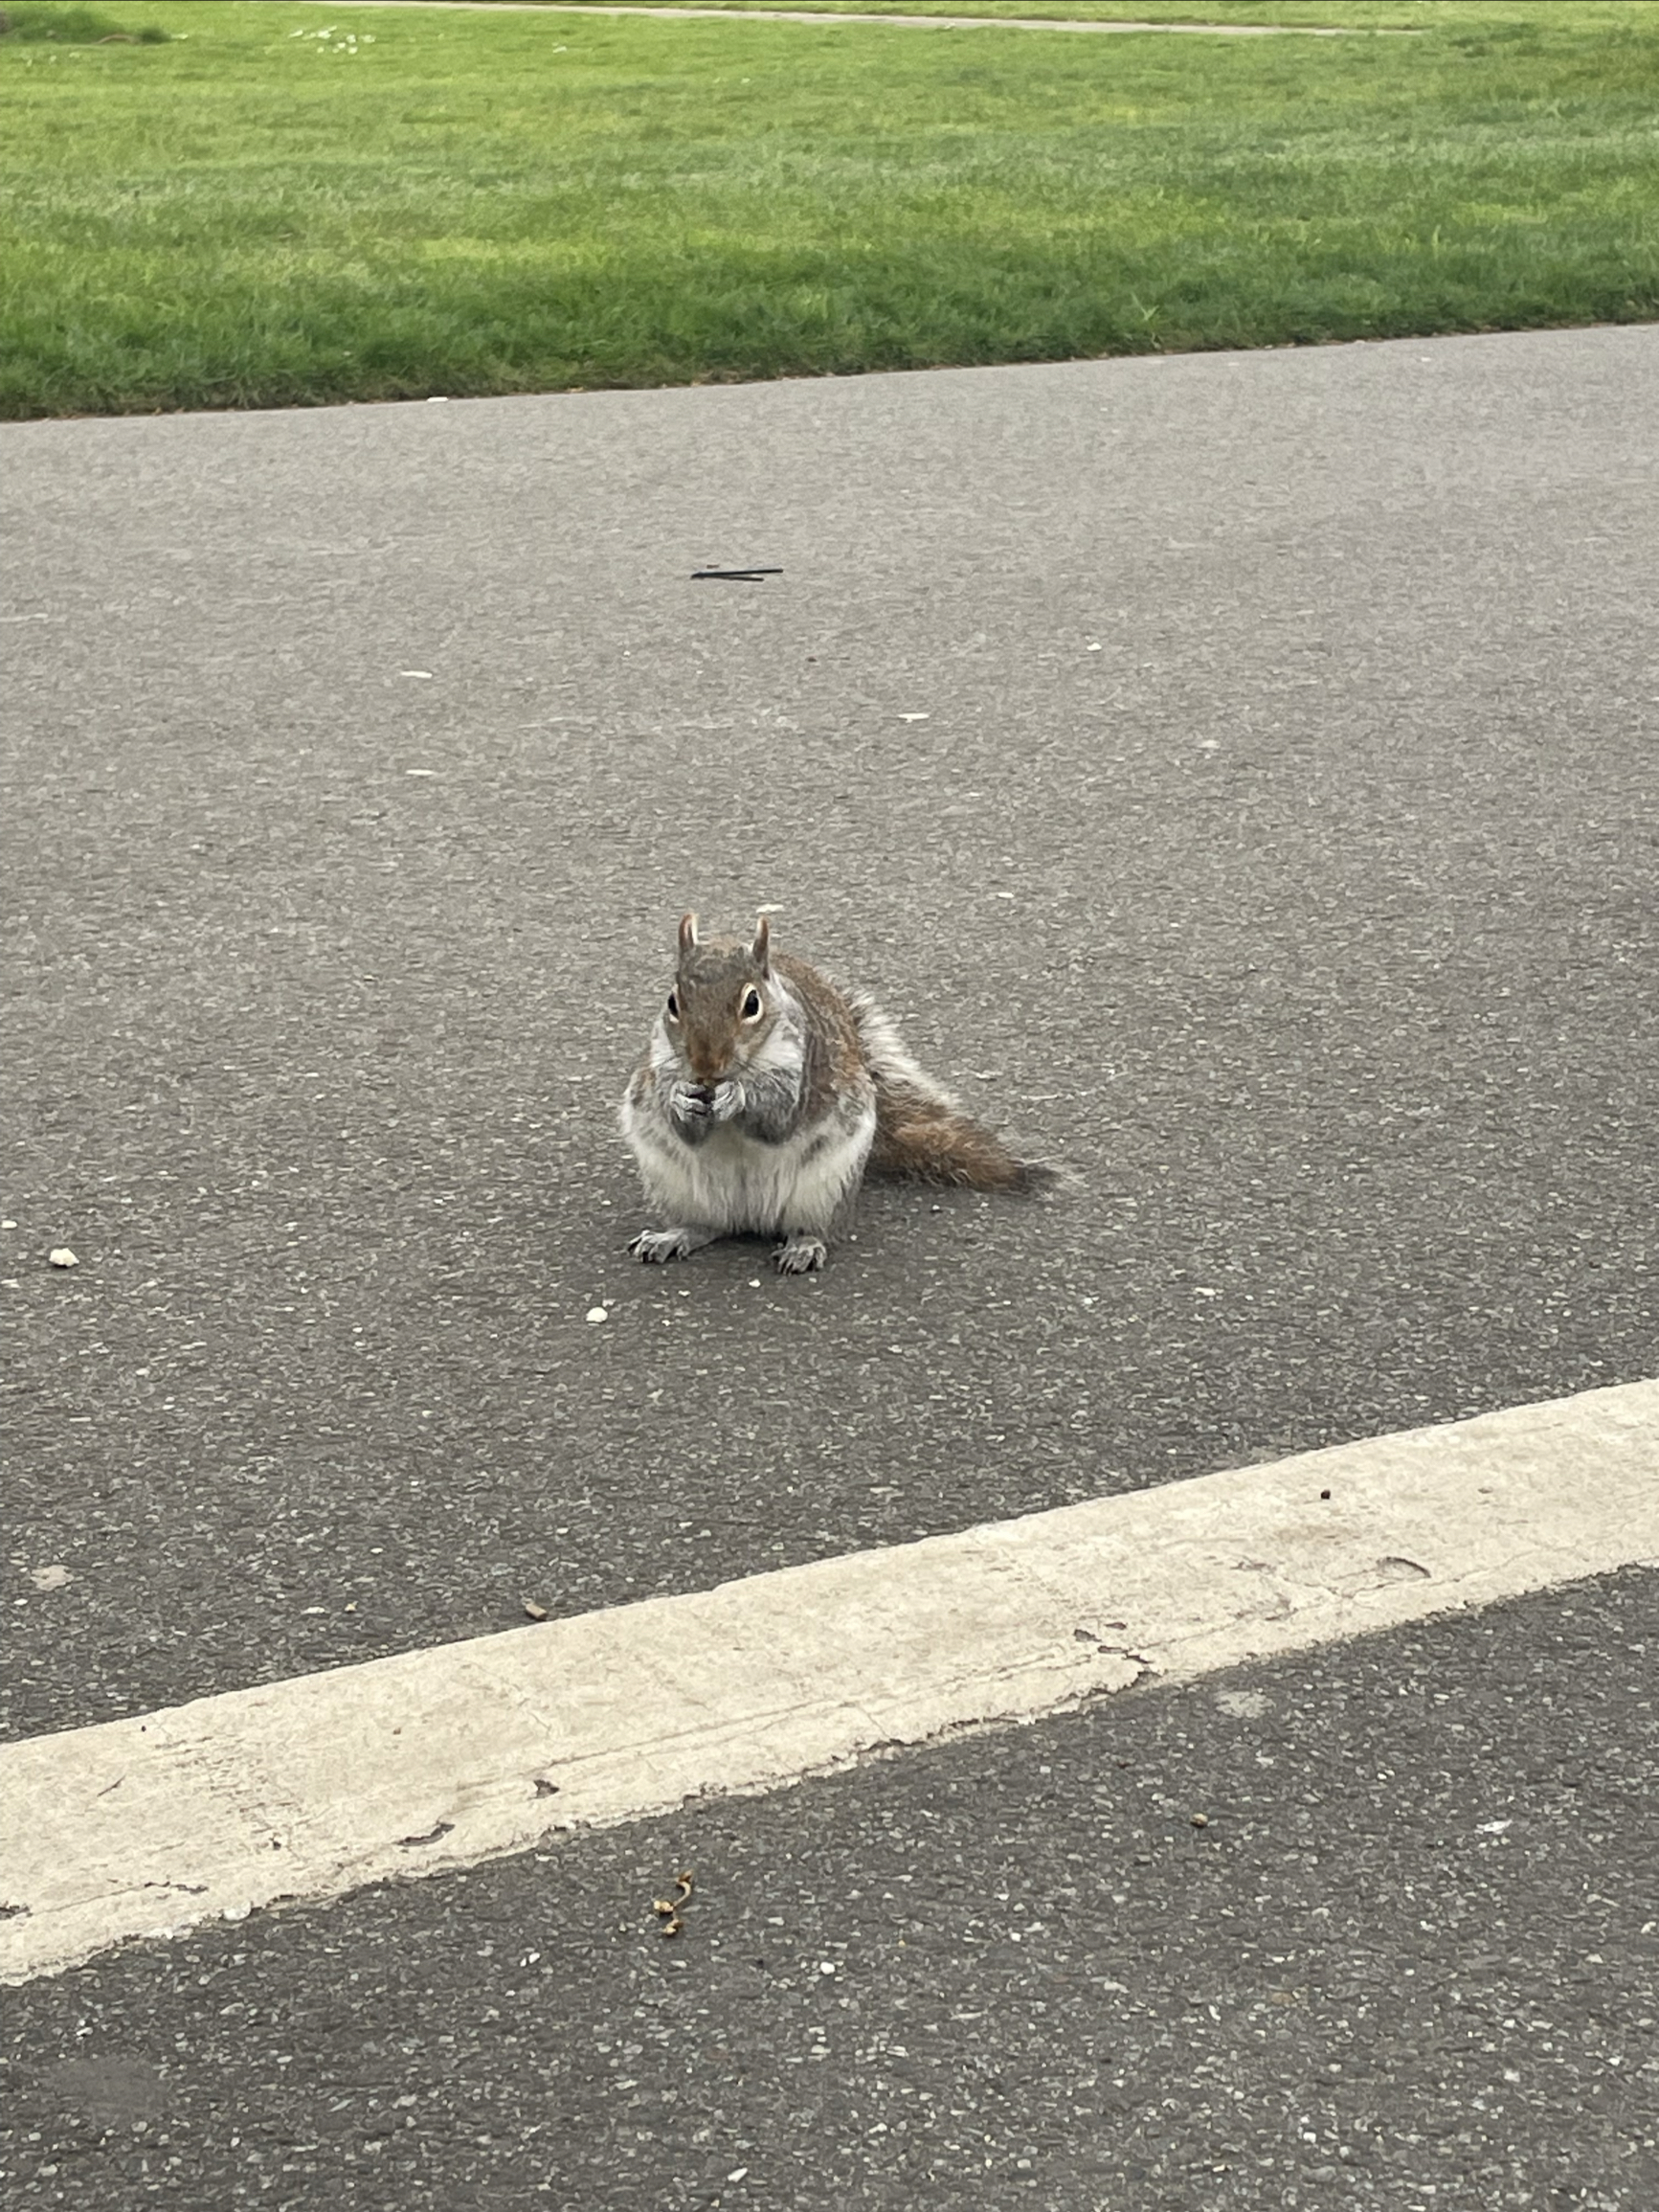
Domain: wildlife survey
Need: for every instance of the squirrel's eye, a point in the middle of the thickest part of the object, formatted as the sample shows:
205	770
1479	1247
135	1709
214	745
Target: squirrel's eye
751	1006
673	1005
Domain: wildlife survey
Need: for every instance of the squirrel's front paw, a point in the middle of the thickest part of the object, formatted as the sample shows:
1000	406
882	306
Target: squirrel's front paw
729	1101
690	1104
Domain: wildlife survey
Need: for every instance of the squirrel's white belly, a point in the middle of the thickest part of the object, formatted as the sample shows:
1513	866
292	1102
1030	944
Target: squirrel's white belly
732	1183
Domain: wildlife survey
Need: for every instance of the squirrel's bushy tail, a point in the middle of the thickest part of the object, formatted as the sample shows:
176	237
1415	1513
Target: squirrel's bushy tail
921	1130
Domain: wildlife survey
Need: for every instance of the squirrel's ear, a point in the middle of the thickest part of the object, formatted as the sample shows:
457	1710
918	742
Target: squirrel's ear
758	951
687	931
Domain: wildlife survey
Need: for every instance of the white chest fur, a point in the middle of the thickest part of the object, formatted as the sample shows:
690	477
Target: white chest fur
730	1182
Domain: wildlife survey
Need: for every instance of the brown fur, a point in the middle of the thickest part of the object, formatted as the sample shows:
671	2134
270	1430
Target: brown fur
931	1142
921	1132
834	1049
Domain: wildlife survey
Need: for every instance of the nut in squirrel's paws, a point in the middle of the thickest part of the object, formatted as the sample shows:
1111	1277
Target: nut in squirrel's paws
690	1101
800	1255
722	1101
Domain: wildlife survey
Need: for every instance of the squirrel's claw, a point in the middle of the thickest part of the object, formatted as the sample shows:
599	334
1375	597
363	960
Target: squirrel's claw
802	1256
661	1245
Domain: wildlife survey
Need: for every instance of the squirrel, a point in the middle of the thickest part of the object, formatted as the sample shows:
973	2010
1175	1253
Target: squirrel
765	1095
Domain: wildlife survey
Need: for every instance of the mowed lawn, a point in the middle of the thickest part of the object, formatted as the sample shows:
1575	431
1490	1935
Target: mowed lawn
285	205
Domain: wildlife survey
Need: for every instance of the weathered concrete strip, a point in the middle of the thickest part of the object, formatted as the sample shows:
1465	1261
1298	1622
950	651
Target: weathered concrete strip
439	1758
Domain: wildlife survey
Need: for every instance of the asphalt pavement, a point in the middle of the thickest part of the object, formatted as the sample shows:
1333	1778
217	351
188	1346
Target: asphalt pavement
1233	771
1277	849
1409	1958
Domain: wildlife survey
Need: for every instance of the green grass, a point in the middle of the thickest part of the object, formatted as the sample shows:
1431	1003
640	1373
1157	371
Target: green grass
50	22
256	215
1438	15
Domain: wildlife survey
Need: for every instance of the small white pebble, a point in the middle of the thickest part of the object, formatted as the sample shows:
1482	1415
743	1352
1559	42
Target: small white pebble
597	1314
825	1965
62	1256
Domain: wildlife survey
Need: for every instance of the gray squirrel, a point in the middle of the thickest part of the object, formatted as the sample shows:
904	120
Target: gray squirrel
766	1093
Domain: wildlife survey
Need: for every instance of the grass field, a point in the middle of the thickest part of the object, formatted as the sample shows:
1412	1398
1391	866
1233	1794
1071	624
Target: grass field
1468	15
285	205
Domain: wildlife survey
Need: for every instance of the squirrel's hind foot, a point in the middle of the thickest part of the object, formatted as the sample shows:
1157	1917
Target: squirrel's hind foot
660	1245
800	1255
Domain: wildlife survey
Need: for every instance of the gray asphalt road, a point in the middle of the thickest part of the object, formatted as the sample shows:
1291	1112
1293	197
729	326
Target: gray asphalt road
1278	847
1234	771
1410	1958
